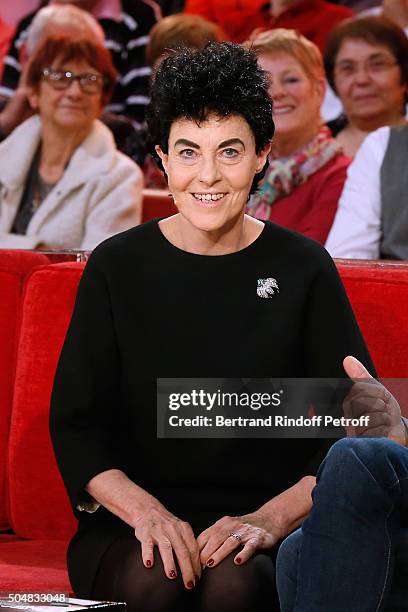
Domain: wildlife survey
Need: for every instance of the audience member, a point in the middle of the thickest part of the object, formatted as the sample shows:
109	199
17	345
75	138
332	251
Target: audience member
65	19
180	30
6	33
313	18
307	169
63	183
372	219
169	34
366	63
237	19
51	20
126	24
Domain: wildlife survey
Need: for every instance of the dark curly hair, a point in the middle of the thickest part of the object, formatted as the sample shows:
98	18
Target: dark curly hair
222	79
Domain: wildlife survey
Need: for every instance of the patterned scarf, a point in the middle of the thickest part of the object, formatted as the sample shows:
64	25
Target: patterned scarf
286	173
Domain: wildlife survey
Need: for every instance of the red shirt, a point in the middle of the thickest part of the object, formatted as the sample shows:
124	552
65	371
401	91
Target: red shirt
313	18
310	208
238	18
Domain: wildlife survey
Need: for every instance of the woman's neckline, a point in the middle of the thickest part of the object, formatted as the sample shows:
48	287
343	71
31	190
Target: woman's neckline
238	253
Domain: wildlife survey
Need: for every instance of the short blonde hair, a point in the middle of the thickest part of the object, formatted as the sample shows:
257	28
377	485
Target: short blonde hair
283	40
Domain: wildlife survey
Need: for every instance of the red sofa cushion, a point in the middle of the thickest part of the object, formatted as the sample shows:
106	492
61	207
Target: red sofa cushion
39	507
34	566
14	267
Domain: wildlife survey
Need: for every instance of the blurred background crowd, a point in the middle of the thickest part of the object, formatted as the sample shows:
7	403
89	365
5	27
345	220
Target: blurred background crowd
75	154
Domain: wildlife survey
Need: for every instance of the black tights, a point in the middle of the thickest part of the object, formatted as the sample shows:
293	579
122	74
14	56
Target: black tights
225	588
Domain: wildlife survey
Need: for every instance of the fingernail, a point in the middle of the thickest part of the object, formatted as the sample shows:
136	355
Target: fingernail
172	574
148	563
210	562
238	560
190	584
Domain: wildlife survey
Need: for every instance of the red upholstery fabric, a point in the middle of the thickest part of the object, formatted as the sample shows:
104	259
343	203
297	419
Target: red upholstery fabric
8	537
379	296
379	299
14	267
157	203
39	507
34	566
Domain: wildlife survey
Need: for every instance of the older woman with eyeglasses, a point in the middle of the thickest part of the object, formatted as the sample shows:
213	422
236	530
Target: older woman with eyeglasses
366	63
63	184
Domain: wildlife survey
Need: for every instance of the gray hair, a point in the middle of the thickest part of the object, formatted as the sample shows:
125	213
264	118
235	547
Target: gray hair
65	15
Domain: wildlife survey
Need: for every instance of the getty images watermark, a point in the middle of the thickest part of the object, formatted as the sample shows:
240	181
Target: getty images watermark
253	408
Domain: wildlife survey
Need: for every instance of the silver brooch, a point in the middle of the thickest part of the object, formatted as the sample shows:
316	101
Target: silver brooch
267	287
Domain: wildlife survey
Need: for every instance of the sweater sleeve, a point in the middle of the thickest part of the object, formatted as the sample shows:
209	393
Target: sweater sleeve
86	389
331	332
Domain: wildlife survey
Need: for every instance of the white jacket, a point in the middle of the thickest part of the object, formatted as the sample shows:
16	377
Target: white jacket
99	194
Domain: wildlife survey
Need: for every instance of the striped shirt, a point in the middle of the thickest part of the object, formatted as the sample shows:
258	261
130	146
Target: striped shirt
126	38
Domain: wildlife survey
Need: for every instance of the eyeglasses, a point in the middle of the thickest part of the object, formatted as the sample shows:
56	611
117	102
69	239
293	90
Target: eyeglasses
60	79
347	69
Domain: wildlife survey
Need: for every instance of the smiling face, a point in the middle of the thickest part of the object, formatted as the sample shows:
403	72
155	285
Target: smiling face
210	167
368	81
296	98
69	108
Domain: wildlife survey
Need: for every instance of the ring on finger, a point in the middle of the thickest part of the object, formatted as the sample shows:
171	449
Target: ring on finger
235	535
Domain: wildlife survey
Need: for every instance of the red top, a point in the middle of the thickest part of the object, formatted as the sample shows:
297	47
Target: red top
310	208
238	18
313	18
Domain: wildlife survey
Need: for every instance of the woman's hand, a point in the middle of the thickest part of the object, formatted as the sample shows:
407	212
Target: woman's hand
251	531
174	539
153	524
257	530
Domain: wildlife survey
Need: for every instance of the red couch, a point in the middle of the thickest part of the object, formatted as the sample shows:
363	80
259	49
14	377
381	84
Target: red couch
36	303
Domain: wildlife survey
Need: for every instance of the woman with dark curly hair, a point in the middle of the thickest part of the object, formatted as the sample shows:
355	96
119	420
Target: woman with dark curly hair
192	523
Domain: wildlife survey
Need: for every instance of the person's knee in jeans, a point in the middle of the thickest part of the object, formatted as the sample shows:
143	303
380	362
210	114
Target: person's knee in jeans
286	570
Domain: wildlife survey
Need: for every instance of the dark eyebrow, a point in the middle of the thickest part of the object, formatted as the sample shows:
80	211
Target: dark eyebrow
378	55
231	141
186	143
193	145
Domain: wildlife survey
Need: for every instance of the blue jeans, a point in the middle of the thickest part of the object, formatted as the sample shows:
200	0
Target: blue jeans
343	557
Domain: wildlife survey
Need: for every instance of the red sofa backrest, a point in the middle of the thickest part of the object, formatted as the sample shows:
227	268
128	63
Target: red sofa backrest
157	203
14	267
39	507
379	296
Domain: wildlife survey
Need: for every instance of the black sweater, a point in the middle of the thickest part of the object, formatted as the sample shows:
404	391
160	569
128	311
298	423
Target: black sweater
146	309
